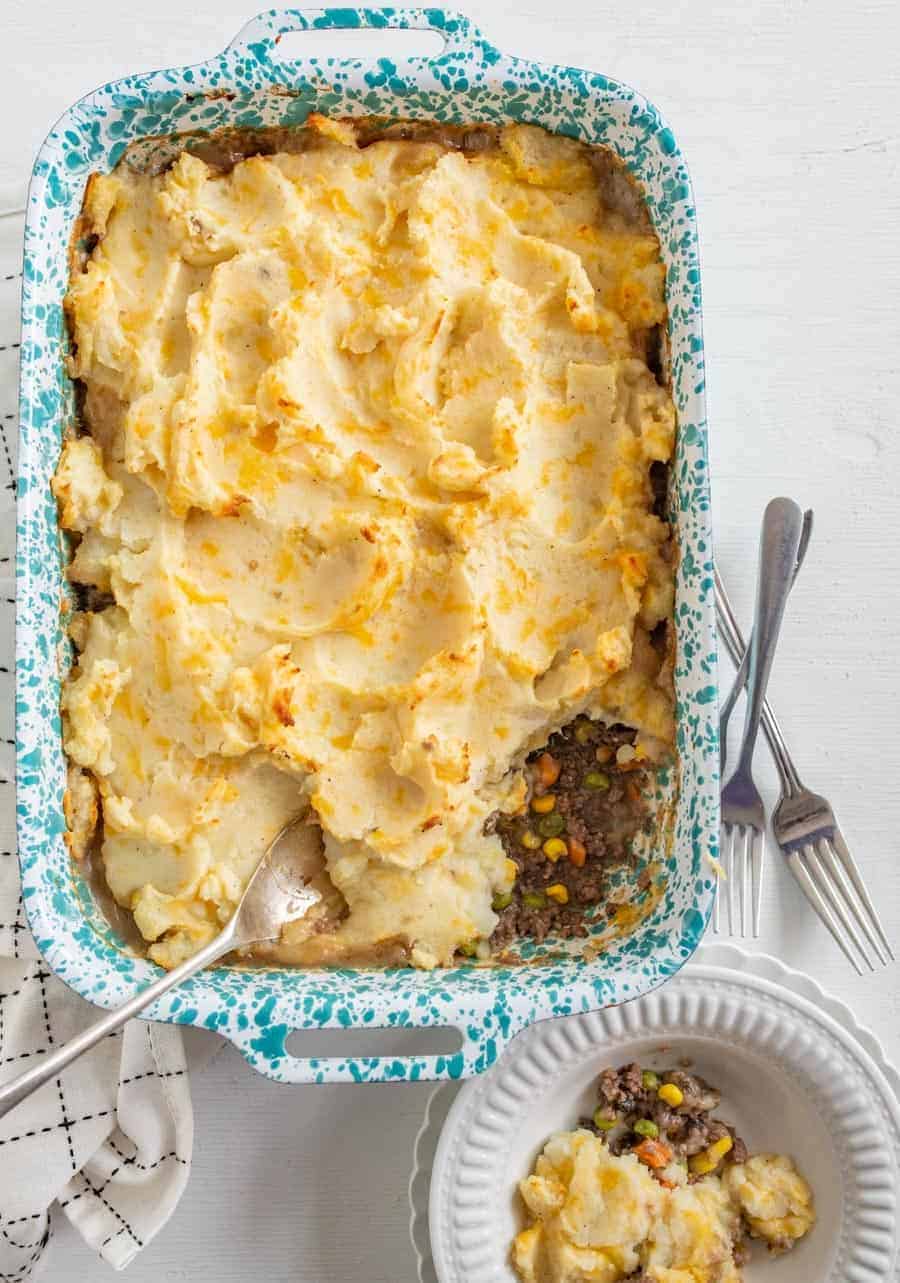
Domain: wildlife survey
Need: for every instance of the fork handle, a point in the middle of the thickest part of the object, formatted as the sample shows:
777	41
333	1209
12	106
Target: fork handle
741	653
782	531
730	632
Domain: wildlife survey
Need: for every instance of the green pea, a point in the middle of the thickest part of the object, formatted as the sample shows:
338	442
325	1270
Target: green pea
596	780
646	1127
650	1080
502	900
583	732
550	826
602	1123
534	900
468	949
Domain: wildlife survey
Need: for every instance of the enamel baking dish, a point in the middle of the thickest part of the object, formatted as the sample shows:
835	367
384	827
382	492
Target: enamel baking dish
251	85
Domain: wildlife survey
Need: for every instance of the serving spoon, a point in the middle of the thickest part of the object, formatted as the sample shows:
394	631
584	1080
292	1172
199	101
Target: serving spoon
279	892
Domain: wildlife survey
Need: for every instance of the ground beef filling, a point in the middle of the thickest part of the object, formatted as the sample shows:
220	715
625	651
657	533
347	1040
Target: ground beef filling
629	1099
564	854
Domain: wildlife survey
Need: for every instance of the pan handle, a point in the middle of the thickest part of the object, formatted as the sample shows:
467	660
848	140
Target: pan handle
259	37
482	1030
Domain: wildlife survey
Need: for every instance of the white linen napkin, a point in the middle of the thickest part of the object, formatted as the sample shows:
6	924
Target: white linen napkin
110	1141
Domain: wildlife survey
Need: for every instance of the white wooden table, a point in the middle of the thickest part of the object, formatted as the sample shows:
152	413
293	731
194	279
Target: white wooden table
787	111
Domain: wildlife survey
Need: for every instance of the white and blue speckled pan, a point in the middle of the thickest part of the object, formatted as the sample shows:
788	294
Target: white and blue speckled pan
258	1009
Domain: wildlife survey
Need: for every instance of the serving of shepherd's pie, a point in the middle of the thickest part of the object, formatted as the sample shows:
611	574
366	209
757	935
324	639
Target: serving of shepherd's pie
363	515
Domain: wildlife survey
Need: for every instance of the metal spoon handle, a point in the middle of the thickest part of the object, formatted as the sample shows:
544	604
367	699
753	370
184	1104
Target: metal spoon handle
12	1093
781	534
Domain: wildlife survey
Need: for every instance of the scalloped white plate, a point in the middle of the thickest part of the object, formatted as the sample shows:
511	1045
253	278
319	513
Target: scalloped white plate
797	1074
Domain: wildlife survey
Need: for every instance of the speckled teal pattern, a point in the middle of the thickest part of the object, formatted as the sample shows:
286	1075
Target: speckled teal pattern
469	81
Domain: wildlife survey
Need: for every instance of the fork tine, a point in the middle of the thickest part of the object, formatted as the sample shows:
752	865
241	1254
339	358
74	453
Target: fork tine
731	869
740	867
839	877
758	857
821	875
849	864
822	878
745	878
809	889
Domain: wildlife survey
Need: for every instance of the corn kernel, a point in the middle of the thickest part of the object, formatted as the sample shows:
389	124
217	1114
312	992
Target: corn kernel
530	840
719	1148
558	893
708	1159
671	1094
553	848
543	805
511	870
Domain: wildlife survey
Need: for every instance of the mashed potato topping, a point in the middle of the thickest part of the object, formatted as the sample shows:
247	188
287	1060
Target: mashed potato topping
367	488
598	1217
591	1209
774	1198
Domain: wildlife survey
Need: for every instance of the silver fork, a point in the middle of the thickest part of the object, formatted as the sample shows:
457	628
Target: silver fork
809	837
743	814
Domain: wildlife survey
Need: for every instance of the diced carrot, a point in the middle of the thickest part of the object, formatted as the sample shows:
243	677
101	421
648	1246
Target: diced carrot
577	853
633	789
548	770
653	1153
